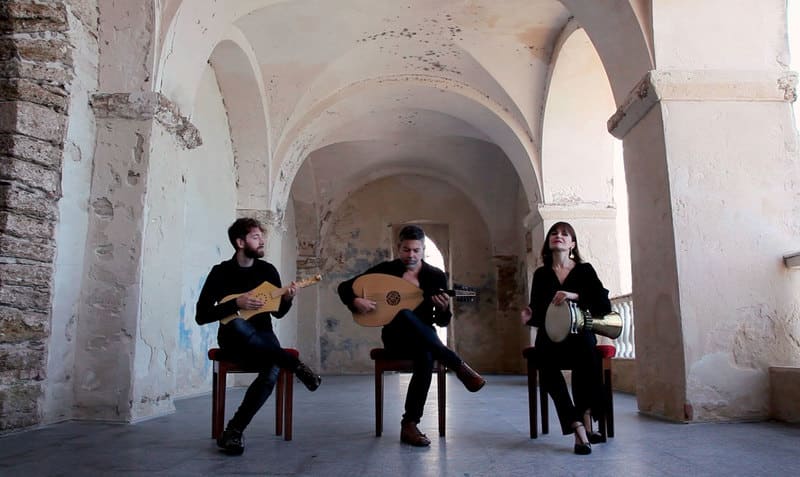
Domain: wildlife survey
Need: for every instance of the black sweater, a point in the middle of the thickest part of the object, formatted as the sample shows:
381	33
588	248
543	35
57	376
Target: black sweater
228	278
582	279
431	281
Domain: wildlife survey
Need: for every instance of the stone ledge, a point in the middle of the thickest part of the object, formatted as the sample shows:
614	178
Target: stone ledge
623	375
145	107
577	211
784	393
792	260
701	85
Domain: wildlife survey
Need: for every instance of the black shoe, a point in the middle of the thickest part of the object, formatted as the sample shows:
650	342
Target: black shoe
583	449
231	441
307	377
596	438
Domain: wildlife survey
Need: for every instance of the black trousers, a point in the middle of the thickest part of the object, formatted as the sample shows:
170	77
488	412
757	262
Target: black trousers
408	337
259	348
578	353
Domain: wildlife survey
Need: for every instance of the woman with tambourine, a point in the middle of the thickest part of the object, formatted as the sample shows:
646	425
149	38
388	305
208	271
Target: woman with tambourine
564	276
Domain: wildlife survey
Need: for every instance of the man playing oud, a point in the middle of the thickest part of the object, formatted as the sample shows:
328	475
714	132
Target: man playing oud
248	341
410	334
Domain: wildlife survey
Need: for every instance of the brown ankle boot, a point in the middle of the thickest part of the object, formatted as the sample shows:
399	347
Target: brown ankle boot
472	380
410	434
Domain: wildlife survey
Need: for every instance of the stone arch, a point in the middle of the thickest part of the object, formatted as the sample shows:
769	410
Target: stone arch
239	82
354	245
580	180
368	176
312	132
609	24
196	27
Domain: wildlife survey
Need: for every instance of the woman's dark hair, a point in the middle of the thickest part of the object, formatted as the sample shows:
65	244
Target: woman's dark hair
547	254
242	227
411	232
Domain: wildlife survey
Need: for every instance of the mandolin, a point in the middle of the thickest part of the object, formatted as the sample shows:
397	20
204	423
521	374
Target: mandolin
269	294
392	294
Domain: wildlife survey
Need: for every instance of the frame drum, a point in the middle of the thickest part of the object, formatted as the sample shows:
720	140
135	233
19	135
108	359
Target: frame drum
560	320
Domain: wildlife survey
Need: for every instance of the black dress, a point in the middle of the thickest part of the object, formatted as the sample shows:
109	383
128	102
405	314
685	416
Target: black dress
577	352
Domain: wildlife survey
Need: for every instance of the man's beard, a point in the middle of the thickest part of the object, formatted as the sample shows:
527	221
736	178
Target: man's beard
254	252
410	264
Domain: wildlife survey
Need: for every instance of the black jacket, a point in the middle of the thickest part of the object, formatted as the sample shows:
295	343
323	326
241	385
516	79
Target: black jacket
431	281
229	278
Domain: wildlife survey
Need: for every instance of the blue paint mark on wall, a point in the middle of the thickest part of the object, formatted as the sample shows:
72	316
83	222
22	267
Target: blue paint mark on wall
184	333
187	327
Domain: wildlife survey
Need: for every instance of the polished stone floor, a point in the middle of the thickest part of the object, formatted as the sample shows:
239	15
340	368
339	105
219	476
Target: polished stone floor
487	435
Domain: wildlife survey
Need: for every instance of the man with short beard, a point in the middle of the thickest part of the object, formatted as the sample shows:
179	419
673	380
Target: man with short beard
410	334
251	342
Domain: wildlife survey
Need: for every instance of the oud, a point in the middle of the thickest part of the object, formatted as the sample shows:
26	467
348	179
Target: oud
392	294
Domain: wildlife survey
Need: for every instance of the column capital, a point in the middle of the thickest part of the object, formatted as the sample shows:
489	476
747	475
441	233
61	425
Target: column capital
144	106
701	85
269	218
556	212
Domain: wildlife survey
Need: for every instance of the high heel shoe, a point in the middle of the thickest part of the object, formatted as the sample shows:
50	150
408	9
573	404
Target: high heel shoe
583	449
596	438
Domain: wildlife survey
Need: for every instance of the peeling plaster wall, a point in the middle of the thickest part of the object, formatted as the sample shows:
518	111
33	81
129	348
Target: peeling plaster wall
660	381
740	308
156	340
71	231
360	236
284	257
208	210
717	35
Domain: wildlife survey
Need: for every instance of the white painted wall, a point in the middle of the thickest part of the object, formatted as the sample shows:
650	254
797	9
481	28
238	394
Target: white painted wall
580	164
71	230
208	211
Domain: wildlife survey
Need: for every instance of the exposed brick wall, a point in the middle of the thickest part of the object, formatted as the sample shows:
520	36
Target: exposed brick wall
35	71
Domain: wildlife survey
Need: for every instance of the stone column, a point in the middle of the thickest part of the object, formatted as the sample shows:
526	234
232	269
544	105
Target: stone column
713	180
109	322
35	73
308	309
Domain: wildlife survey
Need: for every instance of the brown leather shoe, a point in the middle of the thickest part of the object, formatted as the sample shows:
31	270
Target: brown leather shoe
410	434
472	380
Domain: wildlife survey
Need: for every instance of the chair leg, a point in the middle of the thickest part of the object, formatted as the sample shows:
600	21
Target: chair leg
442	394
279	403
545	408
609	414
219	381
378	399
288	401
532	401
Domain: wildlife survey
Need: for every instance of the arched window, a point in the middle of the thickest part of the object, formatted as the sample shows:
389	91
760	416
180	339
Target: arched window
433	256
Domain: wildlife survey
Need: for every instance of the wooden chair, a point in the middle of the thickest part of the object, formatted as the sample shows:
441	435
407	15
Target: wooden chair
606	423
284	393
386	362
